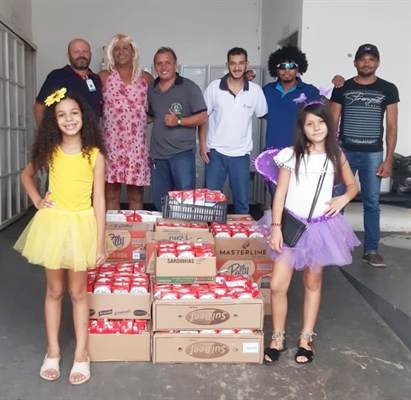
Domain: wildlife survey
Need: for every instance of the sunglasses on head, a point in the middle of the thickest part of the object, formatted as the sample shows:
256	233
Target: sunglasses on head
287	66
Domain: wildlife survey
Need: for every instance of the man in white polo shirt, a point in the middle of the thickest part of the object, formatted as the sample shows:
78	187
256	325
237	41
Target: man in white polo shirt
226	144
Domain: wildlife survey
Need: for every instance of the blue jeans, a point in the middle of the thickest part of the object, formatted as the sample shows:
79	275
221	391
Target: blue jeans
238	171
367	165
175	173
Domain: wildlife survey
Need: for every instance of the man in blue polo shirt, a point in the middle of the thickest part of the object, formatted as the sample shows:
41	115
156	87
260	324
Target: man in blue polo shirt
76	77
226	145
285	64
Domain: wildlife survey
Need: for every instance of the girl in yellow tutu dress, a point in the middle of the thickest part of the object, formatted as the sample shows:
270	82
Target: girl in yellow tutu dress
68	230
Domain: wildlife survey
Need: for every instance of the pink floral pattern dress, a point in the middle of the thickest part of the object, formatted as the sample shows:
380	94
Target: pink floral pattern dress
125	131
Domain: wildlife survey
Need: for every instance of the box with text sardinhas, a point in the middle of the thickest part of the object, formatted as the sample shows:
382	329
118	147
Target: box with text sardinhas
128	239
195	347
197	269
119	290
152	239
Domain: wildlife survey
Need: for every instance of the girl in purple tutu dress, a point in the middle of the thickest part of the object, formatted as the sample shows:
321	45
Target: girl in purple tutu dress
328	240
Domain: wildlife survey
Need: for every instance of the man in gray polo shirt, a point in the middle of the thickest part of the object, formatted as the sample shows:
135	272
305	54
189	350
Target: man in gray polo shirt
176	106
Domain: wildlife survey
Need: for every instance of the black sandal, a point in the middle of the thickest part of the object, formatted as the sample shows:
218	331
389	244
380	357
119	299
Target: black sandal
303	352
274	354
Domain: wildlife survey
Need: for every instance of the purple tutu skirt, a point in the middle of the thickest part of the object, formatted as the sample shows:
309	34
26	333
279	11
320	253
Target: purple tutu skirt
326	241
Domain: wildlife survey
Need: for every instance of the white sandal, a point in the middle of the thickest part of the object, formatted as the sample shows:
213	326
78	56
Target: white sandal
50	363
82	368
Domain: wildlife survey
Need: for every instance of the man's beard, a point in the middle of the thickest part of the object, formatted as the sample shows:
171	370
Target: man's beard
77	64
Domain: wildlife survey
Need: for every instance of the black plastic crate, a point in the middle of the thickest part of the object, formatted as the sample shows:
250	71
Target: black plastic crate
173	209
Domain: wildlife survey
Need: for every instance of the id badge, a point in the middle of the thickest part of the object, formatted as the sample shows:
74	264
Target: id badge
90	85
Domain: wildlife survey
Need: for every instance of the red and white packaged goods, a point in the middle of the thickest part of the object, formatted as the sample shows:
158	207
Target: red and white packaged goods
236	229
117	326
122	277
198	197
170	249
132	216
226	287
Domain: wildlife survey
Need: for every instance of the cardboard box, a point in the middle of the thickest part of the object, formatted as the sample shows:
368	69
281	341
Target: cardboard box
208	314
256	269
208	348
244	218
177	229
264	286
153	238
185	270
229	248
128	237
120	305
119	347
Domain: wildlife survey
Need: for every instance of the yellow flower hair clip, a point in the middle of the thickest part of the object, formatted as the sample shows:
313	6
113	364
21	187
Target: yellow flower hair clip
55	97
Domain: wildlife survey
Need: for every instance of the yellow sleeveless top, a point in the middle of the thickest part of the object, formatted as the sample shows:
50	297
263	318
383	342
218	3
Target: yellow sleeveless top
71	180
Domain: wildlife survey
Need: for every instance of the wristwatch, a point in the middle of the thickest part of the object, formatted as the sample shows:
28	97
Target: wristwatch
179	121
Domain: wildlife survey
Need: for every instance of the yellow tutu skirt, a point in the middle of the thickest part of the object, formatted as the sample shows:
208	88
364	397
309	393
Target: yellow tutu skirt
59	239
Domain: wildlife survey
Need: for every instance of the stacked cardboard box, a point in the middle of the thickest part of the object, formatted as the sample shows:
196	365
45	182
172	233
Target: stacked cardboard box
126	230
187	329
126	305
245	255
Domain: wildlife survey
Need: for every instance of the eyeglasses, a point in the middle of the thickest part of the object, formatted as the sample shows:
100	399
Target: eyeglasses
287	66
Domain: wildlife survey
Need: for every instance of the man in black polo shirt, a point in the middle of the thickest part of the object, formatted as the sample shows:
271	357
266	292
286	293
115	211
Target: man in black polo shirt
76	77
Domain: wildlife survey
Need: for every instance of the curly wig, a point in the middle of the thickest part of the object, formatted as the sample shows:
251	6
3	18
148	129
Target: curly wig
49	137
287	53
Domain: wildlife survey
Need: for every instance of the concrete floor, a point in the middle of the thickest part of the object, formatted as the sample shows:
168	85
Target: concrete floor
358	356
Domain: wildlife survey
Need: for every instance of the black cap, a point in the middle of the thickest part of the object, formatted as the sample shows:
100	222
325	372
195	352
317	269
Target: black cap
367	48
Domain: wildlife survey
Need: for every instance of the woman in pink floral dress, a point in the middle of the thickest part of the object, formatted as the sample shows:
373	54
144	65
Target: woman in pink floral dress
125	123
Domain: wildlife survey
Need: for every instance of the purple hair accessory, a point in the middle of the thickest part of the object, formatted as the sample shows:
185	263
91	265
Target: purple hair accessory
300	99
266	166
324	92
313	102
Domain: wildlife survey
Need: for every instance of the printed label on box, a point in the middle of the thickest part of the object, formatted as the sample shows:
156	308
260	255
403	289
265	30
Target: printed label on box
251	347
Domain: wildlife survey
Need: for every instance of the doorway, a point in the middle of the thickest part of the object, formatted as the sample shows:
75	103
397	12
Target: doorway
16	122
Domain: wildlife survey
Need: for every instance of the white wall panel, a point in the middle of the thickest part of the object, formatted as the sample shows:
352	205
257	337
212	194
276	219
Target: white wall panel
200	31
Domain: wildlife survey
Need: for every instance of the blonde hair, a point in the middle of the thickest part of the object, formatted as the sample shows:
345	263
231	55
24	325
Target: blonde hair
111	66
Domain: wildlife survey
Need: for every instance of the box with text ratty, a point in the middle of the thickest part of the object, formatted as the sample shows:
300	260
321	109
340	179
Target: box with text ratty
128	239
208	348
120	305
153	238
238	256
208	314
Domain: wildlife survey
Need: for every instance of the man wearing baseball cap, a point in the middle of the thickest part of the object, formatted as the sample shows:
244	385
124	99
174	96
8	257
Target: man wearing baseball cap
359	107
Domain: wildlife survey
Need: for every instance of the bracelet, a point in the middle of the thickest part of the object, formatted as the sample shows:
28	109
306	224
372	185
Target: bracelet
277	224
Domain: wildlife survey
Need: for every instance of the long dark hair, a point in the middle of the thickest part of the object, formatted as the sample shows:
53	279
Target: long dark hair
302	144
49	137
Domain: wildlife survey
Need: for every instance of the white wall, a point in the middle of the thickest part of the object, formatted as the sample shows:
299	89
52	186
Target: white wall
333	30
279	20
200	31
16	15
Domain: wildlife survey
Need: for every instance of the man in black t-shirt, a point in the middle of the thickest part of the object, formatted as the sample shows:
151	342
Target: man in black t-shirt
359	107
76	77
